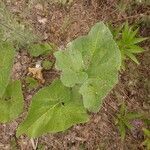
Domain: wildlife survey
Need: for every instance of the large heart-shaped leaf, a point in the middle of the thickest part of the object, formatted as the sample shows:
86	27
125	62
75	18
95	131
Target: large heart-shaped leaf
103	58
11	105
52	110
98	59
7	53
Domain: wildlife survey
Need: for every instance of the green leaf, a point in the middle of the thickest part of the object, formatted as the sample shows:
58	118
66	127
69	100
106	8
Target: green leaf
135	49
127	124
131	116
146	132
147	138
70	78
103	64
132	57
40	49
147	143
71	64
52	110
47	64
91	60
11	105
123	109
31	82
138	40
122	130
7	54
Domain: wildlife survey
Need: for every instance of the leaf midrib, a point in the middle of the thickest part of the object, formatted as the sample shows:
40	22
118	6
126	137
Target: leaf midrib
43	115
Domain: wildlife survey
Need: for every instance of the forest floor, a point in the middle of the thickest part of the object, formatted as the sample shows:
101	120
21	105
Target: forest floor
60	24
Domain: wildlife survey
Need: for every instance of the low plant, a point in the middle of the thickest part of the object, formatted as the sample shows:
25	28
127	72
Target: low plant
89	70
127	40
31	82
123	120
146	142
47	65
13	31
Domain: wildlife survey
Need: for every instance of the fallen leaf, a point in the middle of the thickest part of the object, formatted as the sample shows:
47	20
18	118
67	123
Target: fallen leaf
37	73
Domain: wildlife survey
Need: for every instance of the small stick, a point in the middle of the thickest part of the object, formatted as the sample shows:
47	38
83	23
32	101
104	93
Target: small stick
34	143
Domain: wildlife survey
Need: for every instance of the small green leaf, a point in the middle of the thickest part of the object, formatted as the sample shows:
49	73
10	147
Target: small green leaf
147	138
135	49
7	54
147	144
31	82
12	102
131	116
132	57
122	130
52	110
138	40
127	123
40	49
146	132
47	64
123	109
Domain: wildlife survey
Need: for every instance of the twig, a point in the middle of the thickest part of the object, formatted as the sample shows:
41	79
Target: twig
131	17
34	143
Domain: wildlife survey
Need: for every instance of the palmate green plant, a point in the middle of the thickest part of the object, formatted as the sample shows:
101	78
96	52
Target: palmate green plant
89	70
123	120
127	40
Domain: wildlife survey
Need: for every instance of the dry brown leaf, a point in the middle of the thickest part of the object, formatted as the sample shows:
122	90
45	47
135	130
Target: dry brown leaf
37	73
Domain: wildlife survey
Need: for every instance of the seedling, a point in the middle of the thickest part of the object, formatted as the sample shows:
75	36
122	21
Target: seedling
123	120
147	138
127	40
31	82
47	65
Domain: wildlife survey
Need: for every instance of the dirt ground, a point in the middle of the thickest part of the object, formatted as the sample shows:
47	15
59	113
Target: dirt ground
61	24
